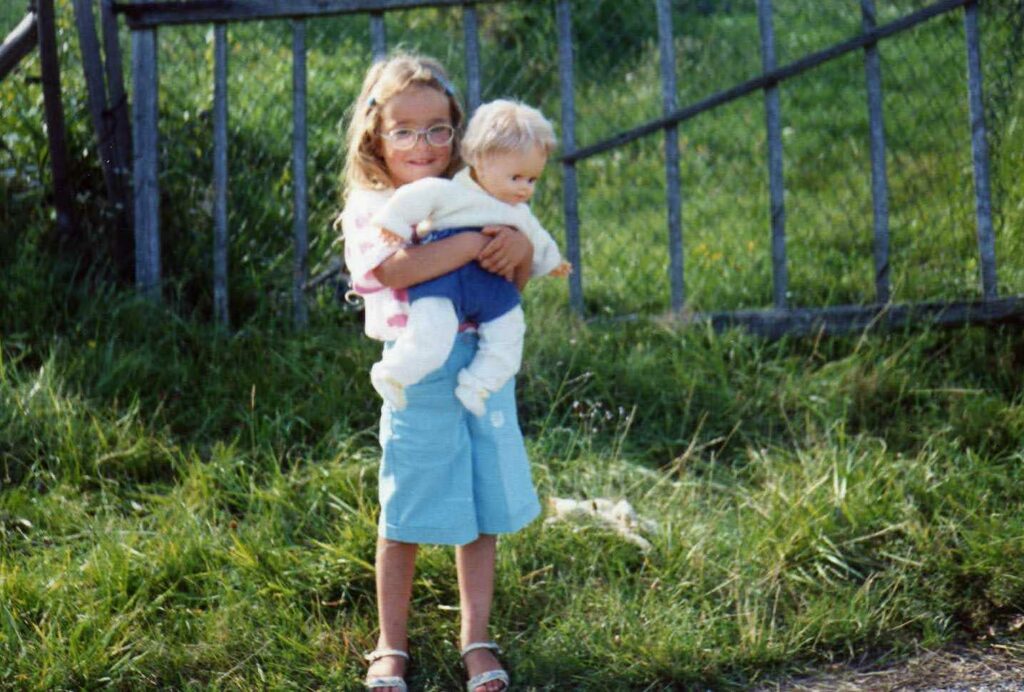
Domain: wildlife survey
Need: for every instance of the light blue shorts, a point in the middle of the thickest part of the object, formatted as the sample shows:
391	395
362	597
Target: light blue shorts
447	476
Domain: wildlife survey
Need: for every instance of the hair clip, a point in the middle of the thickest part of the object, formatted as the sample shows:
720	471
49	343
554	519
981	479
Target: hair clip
371	102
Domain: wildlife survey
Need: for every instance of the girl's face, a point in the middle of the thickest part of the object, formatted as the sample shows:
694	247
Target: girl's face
418	108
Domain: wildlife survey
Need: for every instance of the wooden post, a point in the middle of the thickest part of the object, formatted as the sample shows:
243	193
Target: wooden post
96	89
879	177
569	189
63	195
118	105
776	184
299	171
471	38
220	174
146	191
378	36
979	155
672	177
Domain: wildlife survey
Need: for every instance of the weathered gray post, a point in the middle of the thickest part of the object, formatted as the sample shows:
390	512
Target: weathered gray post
63	197
145	109
471	38
672	178
118	105
299	169
96	92
979	155
378	36
879	177
220	174
563	18
776	184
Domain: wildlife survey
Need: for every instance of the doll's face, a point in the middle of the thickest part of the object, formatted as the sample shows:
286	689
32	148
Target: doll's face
415	108
511	176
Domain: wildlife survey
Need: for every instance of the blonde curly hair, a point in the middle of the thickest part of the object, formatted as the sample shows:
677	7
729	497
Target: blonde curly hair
504	126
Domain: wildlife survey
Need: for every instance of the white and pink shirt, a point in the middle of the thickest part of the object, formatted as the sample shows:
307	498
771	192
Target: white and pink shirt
386	309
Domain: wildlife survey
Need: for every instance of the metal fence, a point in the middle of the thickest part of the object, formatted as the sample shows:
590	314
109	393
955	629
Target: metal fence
714	252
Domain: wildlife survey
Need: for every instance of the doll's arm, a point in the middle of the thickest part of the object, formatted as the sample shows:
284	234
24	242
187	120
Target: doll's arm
547	260
411	204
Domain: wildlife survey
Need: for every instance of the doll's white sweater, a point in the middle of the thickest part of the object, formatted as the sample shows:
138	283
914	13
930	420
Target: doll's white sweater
436	203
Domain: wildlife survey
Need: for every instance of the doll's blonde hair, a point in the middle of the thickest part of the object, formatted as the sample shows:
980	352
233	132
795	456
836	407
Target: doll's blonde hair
364	160
504	126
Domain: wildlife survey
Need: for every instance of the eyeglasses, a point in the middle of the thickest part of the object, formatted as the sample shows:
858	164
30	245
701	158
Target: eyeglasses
406	138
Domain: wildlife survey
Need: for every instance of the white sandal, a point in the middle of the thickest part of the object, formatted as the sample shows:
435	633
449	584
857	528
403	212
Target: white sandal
391	681
499	674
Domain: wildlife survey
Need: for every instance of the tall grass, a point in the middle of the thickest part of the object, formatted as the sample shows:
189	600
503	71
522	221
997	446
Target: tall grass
187	507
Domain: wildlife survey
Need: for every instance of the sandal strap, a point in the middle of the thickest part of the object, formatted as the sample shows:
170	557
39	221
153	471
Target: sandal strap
487	677
377	683
378	654
493	646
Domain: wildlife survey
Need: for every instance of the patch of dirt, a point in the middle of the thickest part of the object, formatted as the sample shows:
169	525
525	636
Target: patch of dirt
991	667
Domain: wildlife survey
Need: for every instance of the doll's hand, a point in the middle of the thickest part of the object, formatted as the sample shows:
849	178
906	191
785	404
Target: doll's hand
391	238
507	248
563	269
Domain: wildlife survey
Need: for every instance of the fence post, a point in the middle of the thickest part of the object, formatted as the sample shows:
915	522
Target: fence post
879	176
220	174
96	91
299	169
563	18
145	111
672	179
118	104
472	41
776	183
979	155
63	196
378	36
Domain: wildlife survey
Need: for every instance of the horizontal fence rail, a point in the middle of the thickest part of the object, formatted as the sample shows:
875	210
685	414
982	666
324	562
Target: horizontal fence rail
144	18
142	15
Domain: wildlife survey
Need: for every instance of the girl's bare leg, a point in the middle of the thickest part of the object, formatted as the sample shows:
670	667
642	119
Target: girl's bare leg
475	564
396	564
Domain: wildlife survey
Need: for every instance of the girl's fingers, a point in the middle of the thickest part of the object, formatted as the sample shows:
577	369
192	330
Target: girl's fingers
495	230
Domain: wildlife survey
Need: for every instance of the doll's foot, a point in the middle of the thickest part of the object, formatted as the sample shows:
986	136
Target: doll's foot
390	389
472	394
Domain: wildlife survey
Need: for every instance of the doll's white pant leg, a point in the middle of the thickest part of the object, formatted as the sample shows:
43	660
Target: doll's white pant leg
422	348
498	357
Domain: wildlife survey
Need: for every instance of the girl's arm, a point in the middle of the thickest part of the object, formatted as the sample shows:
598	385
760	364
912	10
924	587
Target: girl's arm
524	270
499	250
506	251
418	263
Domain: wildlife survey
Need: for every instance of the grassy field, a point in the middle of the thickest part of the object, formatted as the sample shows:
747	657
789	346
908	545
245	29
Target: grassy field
188	508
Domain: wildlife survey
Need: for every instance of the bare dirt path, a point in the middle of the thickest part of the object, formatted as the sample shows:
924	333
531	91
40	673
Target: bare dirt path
996	666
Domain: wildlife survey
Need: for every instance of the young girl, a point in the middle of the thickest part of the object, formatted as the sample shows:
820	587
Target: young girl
507	145
446	477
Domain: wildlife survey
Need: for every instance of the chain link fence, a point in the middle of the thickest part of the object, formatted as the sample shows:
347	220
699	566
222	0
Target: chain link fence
725	213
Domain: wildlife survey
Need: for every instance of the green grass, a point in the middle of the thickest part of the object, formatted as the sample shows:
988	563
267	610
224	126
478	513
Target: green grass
215	527
188	508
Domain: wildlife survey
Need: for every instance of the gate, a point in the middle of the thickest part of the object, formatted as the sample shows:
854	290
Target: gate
144	19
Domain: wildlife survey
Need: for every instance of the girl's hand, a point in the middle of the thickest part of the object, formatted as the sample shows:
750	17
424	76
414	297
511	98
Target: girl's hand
506	250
